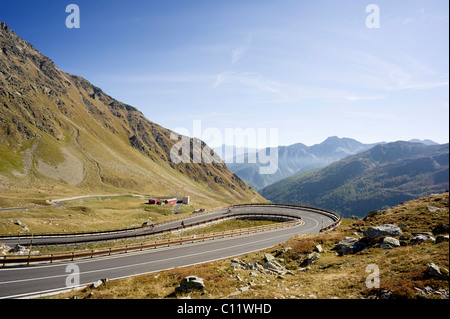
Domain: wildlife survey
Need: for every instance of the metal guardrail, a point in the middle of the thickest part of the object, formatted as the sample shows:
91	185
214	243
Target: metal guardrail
335	216
101	232
84	240
162	243
84	254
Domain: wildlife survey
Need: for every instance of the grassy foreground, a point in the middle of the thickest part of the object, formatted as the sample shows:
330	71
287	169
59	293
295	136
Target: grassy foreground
402	270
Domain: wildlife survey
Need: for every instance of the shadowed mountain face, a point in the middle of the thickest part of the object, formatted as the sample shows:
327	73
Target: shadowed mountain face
296	158
59	129
385	175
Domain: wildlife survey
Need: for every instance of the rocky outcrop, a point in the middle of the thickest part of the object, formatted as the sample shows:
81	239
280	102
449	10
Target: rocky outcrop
346	246
389	243
374	232
190	283
434	271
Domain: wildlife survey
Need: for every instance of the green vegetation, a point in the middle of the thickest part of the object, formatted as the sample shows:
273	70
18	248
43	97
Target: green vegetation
10	160
367	182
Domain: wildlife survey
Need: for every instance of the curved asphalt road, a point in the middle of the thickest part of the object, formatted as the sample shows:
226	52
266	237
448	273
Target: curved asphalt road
25	281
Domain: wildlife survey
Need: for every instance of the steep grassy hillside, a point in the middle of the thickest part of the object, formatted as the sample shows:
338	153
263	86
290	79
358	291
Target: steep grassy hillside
60	134
383	176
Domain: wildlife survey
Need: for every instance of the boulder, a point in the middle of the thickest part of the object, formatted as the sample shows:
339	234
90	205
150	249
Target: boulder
237	264
312	257
435	209
96	284
441	229
435	272
345	246
422	238
374	232
19	250
190	283
273	267
318	249
441	238
268	257
254	266
390	242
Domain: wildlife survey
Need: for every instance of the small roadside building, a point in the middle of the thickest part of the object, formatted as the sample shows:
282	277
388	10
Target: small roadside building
171	201
186	200
153	201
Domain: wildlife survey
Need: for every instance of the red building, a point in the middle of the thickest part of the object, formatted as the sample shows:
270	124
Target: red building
171	201
153	201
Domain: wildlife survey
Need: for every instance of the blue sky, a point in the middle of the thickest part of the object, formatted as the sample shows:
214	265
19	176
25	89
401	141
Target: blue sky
310	69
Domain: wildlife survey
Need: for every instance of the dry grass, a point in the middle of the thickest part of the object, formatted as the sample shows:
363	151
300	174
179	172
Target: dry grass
85	215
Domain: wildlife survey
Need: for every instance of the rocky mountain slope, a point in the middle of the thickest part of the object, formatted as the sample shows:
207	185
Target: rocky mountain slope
385	175
58	131
296	158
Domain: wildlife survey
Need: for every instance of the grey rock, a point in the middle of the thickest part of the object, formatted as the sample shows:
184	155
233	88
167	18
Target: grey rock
390	242
318	249
345	246
273	267
441	229
19	250
374	232
245	288
312	257
435	209
190	283
97	284
268	257
254	266
434	271
442	238
421	238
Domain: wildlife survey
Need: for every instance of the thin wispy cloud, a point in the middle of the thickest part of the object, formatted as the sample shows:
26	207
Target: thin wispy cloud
239	51
247	79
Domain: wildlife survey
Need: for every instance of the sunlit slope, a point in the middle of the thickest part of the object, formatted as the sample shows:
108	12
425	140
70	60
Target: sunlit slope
58	130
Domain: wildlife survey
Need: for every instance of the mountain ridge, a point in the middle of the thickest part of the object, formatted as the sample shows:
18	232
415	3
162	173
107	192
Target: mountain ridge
297	158
384	175
59	129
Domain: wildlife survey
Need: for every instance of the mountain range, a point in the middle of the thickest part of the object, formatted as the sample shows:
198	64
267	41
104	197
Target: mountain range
295	158
60	132
383	176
